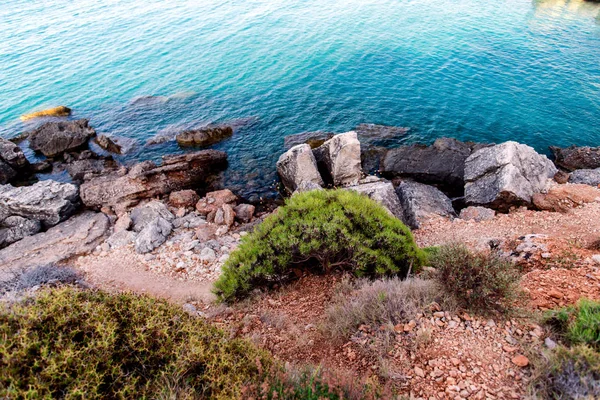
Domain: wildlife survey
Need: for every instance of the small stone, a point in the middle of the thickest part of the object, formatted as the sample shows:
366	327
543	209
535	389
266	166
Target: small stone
551	344
596	258
419	372
520	361
555	294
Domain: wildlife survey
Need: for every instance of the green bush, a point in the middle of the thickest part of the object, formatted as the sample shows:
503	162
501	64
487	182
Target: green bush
481	282
321	230
570	374
69	343
578	324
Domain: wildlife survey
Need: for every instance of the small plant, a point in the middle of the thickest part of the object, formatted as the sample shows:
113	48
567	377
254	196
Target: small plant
570	374
69	343
481	282
320	230
578	324
383	302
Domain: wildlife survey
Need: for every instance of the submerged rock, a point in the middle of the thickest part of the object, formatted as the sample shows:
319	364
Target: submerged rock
339	159
108	144
204	136
147	180
420	201
60	111
574	157
54	138
506	175
313	139
298	165
370	133
48	202
442	163
79	235
586	176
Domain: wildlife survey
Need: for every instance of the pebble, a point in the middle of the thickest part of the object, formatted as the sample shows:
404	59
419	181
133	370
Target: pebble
520	361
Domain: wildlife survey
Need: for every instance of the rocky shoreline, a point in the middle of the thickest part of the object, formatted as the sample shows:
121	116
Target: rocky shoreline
182	203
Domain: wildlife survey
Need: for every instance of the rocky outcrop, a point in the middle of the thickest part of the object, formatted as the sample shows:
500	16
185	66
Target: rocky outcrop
154	234
442	163
572	158
313	139
48	202
147	180
15	228
298	165
184	198
562	198
60	111
586	176
204	136
421	201
54	138
12	161
108	144
506	175
339	160
477	214
383	192
143	215
79	235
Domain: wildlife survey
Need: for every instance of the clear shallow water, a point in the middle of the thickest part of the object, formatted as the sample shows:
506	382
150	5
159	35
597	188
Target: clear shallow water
483	71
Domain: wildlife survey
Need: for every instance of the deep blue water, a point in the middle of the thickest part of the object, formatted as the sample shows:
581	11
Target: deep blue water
471	69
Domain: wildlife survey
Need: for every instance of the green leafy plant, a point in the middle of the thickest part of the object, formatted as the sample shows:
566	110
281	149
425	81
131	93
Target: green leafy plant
320	230
69	343
481	282
579	324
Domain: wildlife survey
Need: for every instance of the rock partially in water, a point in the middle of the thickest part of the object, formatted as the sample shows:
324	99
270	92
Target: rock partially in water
15	228
313	139
205	136
382	191
371	133
60	111
371	158
108	144
86	165
586	176
421	201
79	235
54	138
298	165
48	202
442	163
574	157
338	159
506	175
147	180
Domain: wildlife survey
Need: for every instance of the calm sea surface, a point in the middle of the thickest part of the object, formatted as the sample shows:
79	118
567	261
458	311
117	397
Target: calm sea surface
470	69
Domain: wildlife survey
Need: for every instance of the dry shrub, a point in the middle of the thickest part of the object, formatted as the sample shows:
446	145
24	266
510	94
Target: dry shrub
480	281
382	302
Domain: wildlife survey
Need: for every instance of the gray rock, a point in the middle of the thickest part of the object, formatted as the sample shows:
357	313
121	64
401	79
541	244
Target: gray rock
421	201
12	161
79	235
574	157
147	180
15	228
7	173
81	170
339	159
307	187
586	176
208	255
120	239
244	212
153	235
204	136
298	165
442	163
142	215
108	144
56	137
49	202
506	175
477	213
383	192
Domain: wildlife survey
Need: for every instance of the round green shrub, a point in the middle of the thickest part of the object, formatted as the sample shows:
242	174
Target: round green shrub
321	230
69	343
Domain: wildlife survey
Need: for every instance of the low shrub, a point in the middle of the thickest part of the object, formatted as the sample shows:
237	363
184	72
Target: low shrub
578	324
69	343
481	282
382	302
47	274
320	230
570	374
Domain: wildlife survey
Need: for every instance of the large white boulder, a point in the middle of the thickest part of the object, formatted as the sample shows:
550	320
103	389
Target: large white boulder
298	165
340	158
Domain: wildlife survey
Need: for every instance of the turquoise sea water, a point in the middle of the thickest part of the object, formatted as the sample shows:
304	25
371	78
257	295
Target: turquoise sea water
471	69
